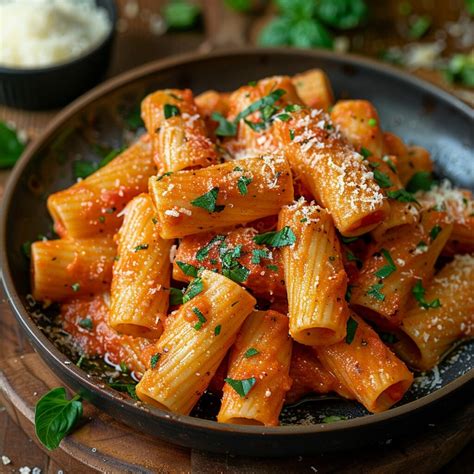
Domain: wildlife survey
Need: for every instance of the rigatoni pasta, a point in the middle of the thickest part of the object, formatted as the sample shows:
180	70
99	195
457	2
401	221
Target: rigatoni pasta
141	273
191	348
316	280
259	365
190	202
260	245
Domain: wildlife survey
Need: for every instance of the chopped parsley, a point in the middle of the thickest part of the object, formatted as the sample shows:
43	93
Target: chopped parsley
388	269
187	269
101	219
208	201
333	418
292	134
242	184
123	367
194	288
231	268
170	110
86	323
348	294
251	352
217	330
382	179
352	325
265	106
419	293
372	122
401	195
26	249
75	287
390	163
200	317
176	297
242	387
280	238
375	291
273	267
420	181
168	173
365	153
202	253
125	387
154	360
258	254
434	232
353	258
140	247
349	240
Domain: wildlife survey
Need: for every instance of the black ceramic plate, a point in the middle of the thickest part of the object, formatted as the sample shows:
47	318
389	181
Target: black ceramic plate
415	110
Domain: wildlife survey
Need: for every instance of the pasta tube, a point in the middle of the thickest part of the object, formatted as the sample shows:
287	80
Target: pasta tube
314	89
377	378
190	202
335	174
310	376
315	277
195	340
428	330
261	357
404	255
141	274
235	254
93	206
63	269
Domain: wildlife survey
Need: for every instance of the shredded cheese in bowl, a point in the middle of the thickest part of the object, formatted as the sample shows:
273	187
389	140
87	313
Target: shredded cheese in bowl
41	33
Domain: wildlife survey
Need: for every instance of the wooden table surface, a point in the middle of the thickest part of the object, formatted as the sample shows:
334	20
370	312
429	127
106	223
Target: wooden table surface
137	42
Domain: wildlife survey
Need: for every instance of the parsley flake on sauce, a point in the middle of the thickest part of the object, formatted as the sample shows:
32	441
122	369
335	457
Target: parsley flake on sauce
277	239
208	201
242	387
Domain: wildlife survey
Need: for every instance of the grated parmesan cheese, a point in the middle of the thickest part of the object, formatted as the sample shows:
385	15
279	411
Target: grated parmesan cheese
39	33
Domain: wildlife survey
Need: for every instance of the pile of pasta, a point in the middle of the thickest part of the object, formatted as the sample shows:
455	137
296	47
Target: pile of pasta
263	244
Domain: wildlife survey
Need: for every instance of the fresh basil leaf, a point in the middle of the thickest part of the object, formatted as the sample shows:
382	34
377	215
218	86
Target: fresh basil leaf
170	110
194	288
11	147
419	27
310	33
376	291
225	128
420	181
187	269
176	297
276	32
242	184
419	293
280	238
251	352
239	5
202	253
365	153
154	360
208	201
382	179
401	195
242	387
55	416
342	14
297	9
352	325
181	14
388	269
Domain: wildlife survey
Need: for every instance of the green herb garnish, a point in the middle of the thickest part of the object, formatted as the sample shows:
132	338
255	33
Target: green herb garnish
388	269
333	418
76	287
170	110
251	352
202	253
55	416
140	247
434	232
419	293
86	323
420	181
242	387
375	291
352	325
194	288
401	195
280	238
176	296
242	184
258	254
208	201
382	179
11	147
187	269
200	317
217	330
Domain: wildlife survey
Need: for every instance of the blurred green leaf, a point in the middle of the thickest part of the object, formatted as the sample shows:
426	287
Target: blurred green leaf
461	70
342	14
239	5
470	7
297	9
419	27
181	14
276	32
310	34
10	146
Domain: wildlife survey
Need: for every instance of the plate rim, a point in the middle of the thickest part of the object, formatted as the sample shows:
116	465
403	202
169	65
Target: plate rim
45	346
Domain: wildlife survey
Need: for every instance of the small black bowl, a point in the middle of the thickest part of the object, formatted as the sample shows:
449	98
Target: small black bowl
54	86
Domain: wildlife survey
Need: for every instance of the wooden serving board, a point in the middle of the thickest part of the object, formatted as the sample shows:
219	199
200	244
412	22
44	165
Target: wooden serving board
102	444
